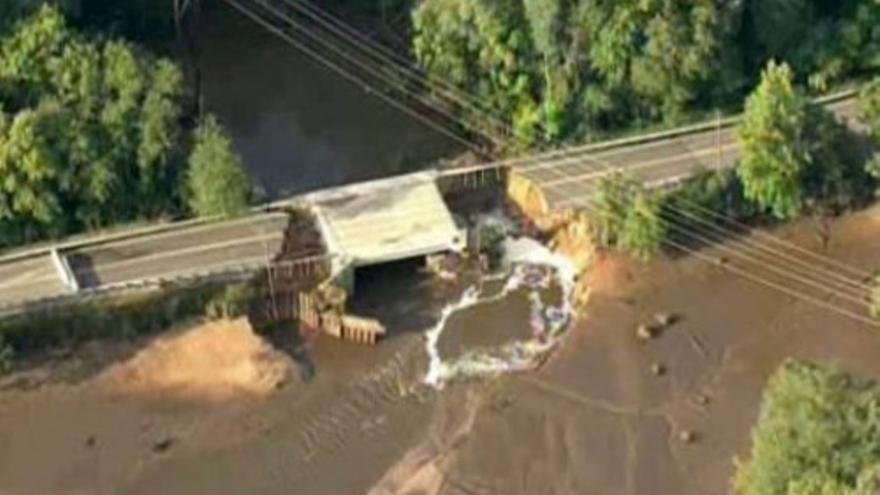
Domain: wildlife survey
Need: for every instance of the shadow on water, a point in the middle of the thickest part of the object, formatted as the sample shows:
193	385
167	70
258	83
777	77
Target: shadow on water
298	125
403	295
285	337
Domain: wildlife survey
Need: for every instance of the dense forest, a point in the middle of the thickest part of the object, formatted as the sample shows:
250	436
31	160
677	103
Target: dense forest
94	131
573	69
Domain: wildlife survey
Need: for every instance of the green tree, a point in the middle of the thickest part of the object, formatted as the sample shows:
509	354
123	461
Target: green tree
681	53
609	205
869	113
218	184
562	70
716	190
643	229
557	68
92	133
816	435
625	216
484	48
869	106
774	151
33	174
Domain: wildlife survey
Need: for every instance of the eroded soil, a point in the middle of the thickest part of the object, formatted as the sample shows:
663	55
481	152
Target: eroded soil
216	409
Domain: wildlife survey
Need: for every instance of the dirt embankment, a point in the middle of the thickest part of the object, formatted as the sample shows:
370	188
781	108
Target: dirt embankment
568	231
216	361
63	431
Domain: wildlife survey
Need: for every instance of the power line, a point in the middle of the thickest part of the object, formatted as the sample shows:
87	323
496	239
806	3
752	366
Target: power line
375	71
382	54
565	154
816	271
759	279
607	168
713	226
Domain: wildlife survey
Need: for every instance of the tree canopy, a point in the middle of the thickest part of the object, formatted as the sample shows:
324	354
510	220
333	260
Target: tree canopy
554	68
626	216
869	113
88	133
643	229
218	183
869	106
817	434
795	154
558	70
772	139
91	131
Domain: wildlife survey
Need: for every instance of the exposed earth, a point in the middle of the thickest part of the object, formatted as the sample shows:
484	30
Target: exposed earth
215	409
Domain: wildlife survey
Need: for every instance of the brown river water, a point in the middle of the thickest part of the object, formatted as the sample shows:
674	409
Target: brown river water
298	125
215	409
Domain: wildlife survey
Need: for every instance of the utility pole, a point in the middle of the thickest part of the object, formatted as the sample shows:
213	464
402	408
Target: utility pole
718	139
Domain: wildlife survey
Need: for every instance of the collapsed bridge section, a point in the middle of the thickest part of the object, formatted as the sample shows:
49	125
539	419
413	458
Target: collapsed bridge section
386	220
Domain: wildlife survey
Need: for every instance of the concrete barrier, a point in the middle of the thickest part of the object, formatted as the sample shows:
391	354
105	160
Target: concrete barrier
65	273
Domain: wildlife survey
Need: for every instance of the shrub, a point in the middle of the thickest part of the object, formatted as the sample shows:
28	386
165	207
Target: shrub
218	183
108	317
232	302
710	191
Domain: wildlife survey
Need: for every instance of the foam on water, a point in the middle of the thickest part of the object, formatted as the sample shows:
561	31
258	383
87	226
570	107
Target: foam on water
435	363
549	323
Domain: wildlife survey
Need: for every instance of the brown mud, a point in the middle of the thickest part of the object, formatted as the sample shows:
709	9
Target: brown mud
214	409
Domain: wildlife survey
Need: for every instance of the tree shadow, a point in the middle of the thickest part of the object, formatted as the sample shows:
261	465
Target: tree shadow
287	337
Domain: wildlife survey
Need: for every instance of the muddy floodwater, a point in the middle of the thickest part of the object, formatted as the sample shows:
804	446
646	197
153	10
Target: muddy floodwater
216	409
298	125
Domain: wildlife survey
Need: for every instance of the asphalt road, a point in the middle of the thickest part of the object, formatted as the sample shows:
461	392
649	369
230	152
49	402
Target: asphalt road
184	252
568	180
197	249
29	278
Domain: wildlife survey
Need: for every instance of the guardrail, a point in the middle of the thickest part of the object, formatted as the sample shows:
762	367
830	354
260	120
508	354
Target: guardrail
148	284
97	240
709	125
270	207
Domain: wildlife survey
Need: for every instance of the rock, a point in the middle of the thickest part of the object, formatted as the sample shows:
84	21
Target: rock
90	441
687	436
163	445
664	319
658	369
702	399
644	332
